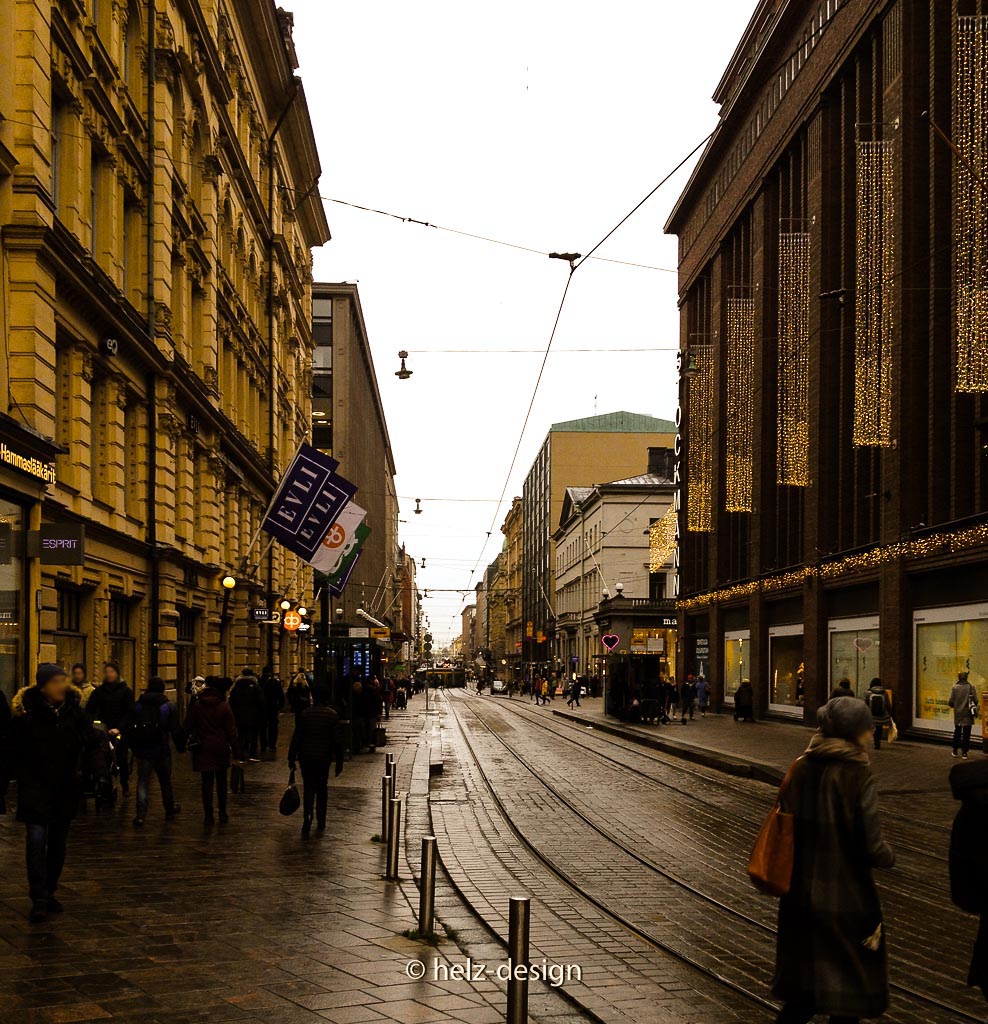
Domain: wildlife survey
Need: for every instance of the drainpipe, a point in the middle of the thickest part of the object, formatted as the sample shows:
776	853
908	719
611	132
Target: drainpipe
272	464
151	384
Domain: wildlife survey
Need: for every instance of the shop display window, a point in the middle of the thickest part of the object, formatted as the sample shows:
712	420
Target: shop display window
737	662
855	650
948	641
786	670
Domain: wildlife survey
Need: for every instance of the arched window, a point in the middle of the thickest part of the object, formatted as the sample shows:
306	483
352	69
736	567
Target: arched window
131	57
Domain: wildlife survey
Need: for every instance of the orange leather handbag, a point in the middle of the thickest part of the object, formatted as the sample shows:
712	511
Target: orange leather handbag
770	865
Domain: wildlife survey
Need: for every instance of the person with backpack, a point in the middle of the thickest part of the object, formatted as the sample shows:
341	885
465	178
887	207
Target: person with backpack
247	705
830	953
880	705
110	704
969	859
212	737
274	701
316	743
964	701
687	699
150	731
702	694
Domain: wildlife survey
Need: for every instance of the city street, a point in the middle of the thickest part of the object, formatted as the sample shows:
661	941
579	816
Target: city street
633	859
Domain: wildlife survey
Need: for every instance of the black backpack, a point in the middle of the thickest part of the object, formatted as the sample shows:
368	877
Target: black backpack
876	702
149	728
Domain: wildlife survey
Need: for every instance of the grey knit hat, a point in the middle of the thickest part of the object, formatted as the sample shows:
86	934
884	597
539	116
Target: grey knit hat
845	718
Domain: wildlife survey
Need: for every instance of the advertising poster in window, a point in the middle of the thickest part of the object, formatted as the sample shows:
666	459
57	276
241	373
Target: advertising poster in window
945	647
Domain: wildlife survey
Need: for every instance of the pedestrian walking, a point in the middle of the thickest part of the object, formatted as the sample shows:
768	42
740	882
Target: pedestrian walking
687	699
964	701
880	704
247	705
110	705
545	691
299	696
152	728
842	689
52	742
316	744
274	702
702	694
373	702
969	859
574	693
5	721
831	955
744	702
194	688
212	738
79	679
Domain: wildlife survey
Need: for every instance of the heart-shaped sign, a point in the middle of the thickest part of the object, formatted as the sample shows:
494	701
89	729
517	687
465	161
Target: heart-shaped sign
610	640
864	644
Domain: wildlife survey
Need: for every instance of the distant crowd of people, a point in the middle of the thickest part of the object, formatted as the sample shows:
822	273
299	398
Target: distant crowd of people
67	741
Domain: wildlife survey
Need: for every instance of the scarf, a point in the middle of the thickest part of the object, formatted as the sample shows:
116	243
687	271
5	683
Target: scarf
833	748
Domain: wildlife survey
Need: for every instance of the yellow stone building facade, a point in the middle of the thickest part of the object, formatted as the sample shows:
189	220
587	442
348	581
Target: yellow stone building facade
158	211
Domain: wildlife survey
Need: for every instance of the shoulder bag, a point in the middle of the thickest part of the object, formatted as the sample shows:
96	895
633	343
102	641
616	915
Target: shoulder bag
771	861
290	800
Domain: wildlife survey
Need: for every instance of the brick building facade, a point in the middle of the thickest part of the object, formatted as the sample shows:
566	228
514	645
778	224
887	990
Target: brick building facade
834	500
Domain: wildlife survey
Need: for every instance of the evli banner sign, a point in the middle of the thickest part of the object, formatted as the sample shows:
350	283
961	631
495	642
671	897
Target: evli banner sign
307	503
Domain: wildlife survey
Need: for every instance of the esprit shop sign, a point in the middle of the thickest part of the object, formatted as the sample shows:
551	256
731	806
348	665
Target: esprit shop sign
28	464
58	543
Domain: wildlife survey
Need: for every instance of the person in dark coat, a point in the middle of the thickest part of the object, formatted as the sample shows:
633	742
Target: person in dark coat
212	737
110	704
373	701
247	704
831	955
274	700
5	719
299	695
151	730
744	703
687	699
880	704
316	743
52	740
969	859
842	689
964	703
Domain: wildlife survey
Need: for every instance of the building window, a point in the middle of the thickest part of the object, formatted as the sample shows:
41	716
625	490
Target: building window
786	674
855	649
121	642
737	662
98	453
95	185
70	638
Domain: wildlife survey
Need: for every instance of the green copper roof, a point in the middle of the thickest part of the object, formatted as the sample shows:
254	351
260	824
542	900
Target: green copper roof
618	423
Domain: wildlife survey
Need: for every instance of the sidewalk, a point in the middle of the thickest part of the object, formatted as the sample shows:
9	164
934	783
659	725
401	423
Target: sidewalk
909	774
177	924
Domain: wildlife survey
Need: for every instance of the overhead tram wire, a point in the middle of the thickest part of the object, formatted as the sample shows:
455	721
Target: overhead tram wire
575	264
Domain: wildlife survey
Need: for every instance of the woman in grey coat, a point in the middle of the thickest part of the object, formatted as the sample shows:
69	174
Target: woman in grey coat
964	701
831	948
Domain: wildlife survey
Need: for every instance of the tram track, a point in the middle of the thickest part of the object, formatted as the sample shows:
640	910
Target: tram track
713	905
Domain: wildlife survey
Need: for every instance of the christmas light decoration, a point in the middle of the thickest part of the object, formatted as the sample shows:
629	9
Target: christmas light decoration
661	540
933	544
740	374
873	301
699	478
792	468
971	202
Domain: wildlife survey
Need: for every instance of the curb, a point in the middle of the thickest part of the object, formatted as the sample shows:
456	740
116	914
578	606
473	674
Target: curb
760	771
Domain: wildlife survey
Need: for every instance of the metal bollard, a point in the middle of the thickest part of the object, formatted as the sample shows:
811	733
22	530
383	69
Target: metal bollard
385	799
389	760
394	839
427	887
393	780
519	912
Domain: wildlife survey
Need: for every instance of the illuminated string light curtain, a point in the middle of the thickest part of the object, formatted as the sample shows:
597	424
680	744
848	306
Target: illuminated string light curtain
740	374
794	359
971	202
661	540
873	306
699	480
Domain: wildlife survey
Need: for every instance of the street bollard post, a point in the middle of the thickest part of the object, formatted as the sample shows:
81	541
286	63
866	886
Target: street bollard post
389	759
519	911
427	887
393	781
394	839
385	800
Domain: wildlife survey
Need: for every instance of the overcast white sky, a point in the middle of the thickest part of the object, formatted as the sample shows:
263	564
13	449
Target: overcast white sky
539	122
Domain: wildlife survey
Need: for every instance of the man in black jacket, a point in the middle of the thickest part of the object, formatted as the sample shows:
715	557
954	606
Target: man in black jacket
318	740
274	701
151	730
51	741
110	703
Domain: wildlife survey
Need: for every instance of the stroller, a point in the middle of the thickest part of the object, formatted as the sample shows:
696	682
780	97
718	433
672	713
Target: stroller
102	788
401	699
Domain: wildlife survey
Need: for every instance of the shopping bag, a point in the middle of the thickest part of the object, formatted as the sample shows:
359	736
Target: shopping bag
237	779
893	733
290	800
771	861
